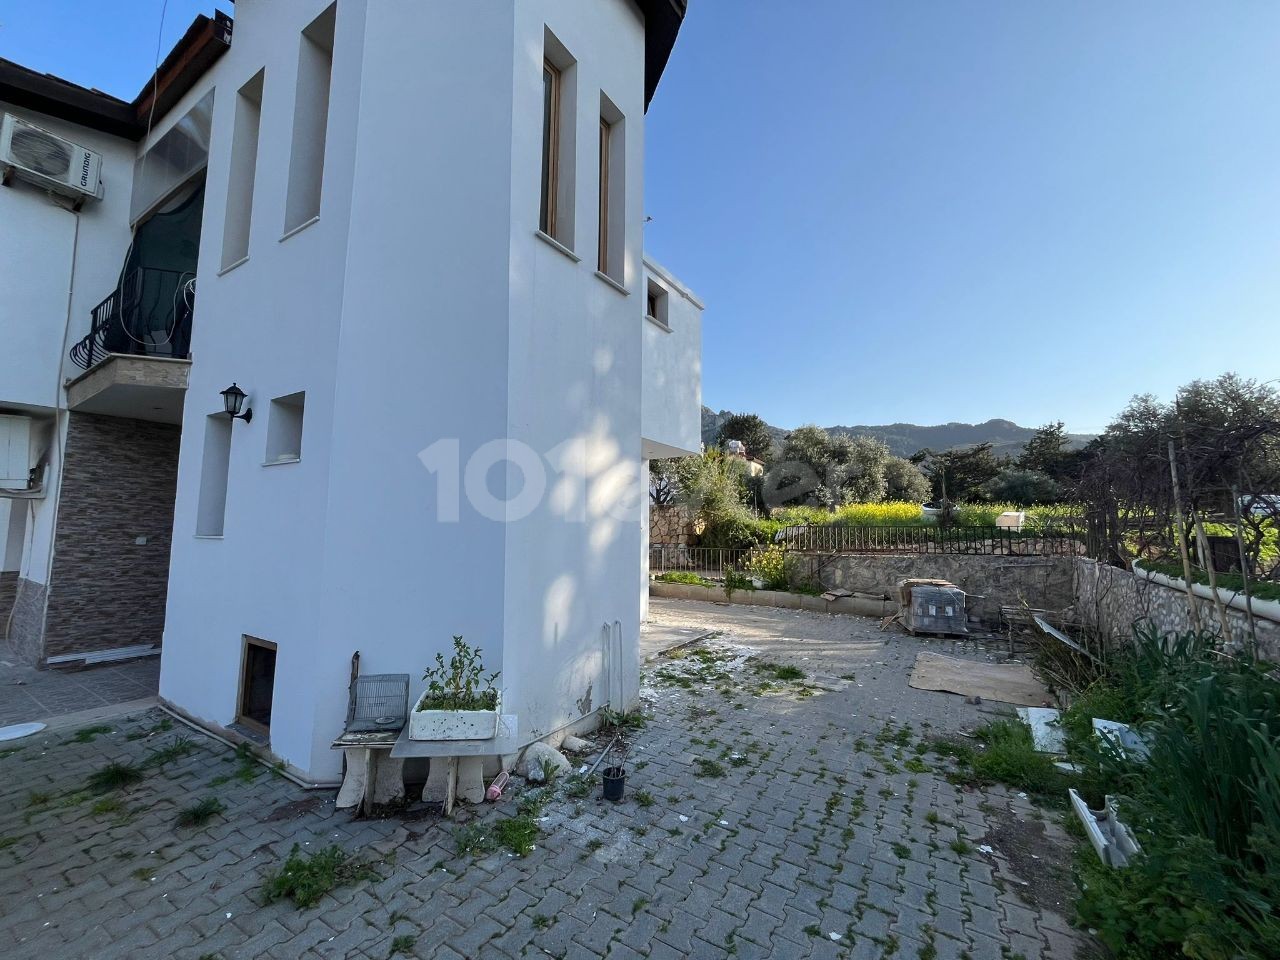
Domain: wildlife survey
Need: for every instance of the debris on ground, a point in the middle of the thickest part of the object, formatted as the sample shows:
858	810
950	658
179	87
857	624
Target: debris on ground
1003	682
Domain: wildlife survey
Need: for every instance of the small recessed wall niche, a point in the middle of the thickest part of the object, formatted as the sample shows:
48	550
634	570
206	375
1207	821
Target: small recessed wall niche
284	428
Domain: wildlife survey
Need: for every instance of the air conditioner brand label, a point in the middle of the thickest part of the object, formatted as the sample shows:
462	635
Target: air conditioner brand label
86	162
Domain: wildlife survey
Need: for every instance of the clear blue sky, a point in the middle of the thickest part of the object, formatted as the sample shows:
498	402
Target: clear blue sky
926	211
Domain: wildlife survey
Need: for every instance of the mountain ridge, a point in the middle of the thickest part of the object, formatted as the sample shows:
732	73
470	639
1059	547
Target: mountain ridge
904	439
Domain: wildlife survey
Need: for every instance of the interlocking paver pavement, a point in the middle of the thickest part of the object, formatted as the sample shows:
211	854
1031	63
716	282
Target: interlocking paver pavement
30	694
777	823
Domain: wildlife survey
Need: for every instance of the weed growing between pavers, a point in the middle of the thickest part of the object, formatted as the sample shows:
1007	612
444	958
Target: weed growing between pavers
305	879
107	805
702	767
1006	754
516	834
200	813
403	943
89	734
114	776
179	748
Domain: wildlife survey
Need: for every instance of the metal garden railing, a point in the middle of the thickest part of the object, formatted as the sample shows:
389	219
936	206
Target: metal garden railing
709	562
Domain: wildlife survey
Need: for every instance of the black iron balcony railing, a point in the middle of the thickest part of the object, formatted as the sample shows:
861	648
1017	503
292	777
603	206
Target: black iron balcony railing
148	315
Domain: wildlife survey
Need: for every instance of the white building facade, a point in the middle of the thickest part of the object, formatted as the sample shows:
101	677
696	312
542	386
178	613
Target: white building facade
420	256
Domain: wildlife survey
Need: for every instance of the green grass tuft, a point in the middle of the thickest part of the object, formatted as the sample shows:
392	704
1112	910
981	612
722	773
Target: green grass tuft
114	776
198	814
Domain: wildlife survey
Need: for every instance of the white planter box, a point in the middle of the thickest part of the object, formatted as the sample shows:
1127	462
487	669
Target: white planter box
453	724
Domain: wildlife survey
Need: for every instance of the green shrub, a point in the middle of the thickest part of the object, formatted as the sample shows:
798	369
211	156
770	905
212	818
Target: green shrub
1010	757
734	530
1228	583
768	564
684	576
1204	805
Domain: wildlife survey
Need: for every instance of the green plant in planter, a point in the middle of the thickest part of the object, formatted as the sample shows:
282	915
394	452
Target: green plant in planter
461	684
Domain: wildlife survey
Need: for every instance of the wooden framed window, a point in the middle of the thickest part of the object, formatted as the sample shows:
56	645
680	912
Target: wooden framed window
257	684
603	231
551	80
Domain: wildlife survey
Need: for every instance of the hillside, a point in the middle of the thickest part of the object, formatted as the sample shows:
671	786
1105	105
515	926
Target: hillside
905	439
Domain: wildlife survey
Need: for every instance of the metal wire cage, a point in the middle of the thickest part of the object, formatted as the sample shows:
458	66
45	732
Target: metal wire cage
378	701
936	609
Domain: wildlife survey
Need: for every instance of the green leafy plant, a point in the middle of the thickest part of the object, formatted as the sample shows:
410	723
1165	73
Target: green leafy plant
1204	804
305	879
733	580
768	564
461	684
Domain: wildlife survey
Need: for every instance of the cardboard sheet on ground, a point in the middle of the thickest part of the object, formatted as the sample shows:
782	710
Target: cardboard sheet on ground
1003	682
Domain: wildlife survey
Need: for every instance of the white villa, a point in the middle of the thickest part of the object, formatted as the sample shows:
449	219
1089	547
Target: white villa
411	234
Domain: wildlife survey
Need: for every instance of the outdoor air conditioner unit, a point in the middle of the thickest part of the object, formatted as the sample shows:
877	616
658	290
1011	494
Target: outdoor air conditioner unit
45	159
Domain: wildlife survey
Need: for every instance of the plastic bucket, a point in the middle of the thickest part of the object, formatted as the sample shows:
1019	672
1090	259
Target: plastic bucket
615	778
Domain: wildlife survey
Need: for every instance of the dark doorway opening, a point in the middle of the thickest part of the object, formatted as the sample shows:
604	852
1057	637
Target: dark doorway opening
257	682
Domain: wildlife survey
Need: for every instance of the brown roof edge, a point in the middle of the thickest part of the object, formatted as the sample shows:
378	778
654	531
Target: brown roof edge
207	39
47	94
662	20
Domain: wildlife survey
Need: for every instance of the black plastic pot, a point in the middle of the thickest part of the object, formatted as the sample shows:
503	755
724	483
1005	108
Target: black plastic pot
615	778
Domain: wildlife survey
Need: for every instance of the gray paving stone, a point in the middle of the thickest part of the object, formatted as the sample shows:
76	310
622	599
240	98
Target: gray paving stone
784	862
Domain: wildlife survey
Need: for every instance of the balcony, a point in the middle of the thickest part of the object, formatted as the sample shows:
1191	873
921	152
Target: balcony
136	353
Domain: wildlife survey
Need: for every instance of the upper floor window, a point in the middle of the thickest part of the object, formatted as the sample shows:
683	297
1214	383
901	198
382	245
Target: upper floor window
310	120
550	136
559	108
611	229
656	303
244	167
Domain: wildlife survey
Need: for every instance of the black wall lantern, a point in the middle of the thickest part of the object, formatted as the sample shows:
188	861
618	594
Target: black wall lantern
232	401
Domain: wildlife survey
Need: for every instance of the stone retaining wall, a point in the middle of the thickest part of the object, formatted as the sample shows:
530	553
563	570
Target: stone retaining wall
1111	601
1041	582
863	606
673	525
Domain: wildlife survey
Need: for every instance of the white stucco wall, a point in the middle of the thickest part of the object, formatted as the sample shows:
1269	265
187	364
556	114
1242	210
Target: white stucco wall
270	324
575	368
55	266
420	307
672	418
